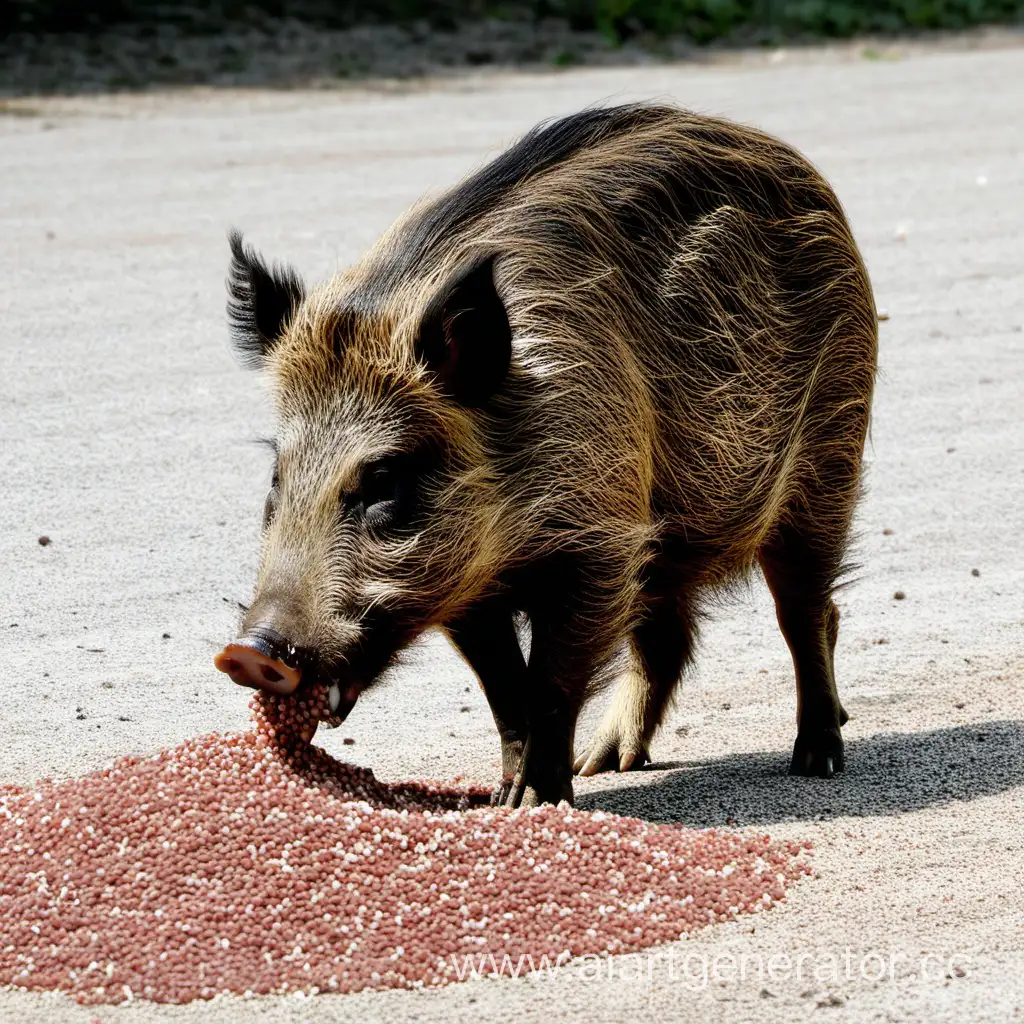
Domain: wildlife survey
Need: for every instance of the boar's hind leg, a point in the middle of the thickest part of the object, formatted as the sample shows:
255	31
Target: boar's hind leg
661	646
800	569
486	638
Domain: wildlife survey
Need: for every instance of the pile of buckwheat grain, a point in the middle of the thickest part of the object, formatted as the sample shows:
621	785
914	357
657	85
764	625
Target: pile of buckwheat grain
256	863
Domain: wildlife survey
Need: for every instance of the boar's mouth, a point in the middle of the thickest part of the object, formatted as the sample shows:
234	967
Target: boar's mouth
263	659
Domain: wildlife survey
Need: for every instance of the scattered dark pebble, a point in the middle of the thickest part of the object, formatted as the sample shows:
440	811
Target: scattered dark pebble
348	741
881	640
123	718
726	707
14	625
975	572
887	532
465	707
165	636
44	540
107	685
959	705
898	596
81	718
949	451
682	730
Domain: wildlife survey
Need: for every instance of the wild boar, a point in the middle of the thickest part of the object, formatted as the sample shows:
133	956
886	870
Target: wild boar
596	381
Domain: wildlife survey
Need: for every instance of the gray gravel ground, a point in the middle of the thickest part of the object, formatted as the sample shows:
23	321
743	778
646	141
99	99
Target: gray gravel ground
126	432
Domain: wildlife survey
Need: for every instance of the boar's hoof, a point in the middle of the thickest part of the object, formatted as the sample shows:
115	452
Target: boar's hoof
610	751
550	791
818	754
536	782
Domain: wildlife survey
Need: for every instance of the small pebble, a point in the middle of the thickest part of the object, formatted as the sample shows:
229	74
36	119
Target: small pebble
44	540
898	596
975	572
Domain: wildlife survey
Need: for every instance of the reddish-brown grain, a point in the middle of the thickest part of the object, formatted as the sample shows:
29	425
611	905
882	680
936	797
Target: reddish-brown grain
253	862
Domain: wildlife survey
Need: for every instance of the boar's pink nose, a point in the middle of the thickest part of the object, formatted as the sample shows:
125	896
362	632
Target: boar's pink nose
250	662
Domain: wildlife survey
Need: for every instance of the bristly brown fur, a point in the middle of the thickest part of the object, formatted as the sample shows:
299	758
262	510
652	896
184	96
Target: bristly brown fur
692	366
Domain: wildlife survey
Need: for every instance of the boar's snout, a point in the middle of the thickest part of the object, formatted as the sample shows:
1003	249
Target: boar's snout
263	659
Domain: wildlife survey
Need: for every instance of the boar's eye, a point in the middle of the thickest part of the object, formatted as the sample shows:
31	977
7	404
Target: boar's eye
378	494
387	492
377	484
269	508
270	505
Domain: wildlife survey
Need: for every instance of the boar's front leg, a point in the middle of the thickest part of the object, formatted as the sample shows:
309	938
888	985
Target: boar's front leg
486	637
535	706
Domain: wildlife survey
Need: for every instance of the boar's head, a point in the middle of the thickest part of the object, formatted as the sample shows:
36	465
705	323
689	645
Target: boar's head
385	515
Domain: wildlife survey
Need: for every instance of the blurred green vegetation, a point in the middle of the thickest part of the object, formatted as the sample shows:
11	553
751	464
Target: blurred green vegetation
707	20
700	20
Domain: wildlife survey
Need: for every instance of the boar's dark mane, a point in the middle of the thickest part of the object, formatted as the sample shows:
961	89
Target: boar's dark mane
545	146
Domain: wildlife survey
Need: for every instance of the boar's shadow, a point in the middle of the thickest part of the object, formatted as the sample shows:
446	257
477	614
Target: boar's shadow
889	773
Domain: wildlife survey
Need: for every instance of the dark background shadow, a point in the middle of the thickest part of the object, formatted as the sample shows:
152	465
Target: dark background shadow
59	46
886	774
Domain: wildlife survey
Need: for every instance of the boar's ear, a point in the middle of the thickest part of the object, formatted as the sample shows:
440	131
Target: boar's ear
261	300
464	336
